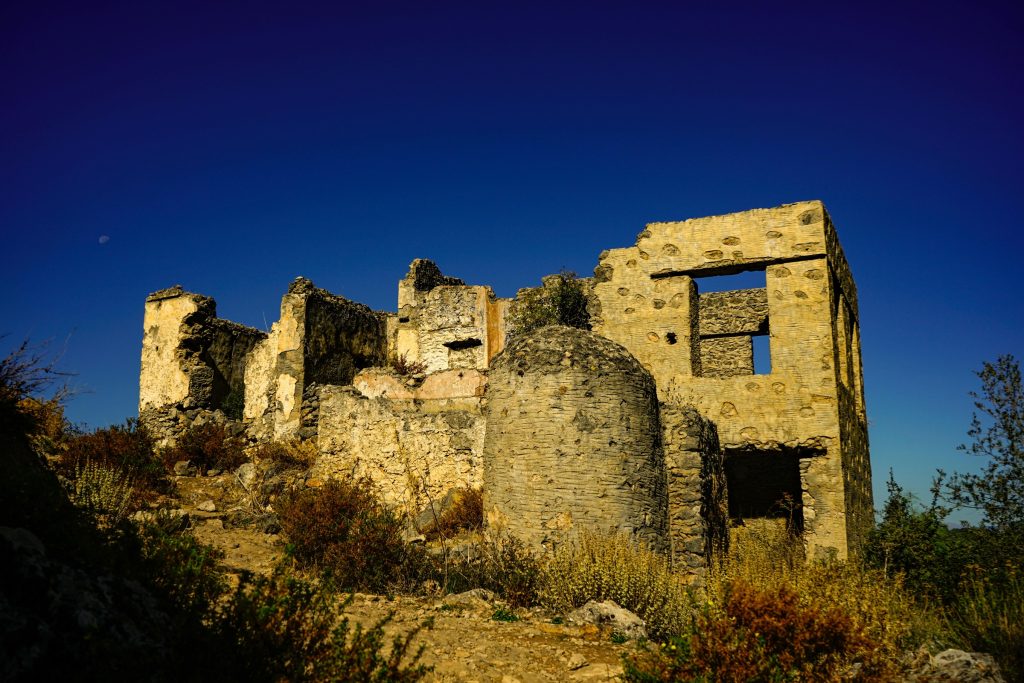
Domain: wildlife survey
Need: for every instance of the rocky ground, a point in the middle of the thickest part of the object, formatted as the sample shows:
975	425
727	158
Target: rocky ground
465	642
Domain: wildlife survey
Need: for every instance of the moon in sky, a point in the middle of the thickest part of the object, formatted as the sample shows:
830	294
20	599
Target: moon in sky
104	239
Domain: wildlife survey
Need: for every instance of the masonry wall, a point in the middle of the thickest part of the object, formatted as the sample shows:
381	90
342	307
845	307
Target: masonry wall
320	338
191	360
573	440
415	448
444	323
697	497
799	429
796	409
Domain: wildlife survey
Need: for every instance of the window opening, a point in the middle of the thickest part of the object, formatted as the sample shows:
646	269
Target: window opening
750	279
762	354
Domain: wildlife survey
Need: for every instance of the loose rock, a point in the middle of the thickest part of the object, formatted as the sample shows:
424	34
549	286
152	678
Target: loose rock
609	614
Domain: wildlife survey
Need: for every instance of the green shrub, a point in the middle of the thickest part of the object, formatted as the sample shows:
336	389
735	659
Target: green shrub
343	529
279	628
916	544
206	447
561	301
128	448
233	404
504	614
185	571
610	567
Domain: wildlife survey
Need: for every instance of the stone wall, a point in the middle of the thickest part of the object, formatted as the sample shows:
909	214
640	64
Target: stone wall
573	440
444	323
415	449
320	338
728	321
191	361
697	497
645	292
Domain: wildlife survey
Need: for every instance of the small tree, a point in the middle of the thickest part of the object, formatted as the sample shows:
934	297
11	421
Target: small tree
916	543
561	301
997	430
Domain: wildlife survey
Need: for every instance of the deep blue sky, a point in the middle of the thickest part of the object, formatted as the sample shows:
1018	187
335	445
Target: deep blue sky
231	148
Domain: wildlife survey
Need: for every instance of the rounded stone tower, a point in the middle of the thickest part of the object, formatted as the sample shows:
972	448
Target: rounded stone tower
573	440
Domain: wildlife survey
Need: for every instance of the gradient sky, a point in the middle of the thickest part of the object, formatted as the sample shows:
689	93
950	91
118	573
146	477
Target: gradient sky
233	147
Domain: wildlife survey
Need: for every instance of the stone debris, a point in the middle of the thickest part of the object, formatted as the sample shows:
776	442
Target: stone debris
248	476
475	599
957	666
609	615
577	661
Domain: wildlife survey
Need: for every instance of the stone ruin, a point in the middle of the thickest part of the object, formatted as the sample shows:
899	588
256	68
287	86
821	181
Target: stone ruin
656	423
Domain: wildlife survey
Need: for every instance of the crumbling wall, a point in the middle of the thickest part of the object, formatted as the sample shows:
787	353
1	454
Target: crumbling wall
444	323
804	418
796	407
320	338
697	498
414	449
573	440
191	361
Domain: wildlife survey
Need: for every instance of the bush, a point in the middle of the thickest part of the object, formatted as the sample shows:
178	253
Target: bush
342	528
401	364
290	454
206	447
127	448
917	545
561	301
761	635
233	404
103	492
989	617
465	514
281	628
184	571
611	567
504	566
878	606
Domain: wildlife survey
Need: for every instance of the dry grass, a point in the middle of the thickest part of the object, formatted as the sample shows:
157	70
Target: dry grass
880	610
294	453
610	567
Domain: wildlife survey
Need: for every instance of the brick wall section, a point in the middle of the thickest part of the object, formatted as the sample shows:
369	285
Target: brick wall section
573	440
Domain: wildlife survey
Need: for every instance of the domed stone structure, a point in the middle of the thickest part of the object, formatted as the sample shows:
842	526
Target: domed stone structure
573	440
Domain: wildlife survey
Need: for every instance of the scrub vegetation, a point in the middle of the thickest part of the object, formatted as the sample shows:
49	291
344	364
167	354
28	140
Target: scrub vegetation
763	612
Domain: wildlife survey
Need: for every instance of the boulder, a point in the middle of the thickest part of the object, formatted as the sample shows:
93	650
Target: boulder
608	614
247	475
959	666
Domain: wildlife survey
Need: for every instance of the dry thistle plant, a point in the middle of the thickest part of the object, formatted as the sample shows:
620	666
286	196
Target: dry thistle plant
104	492
610	567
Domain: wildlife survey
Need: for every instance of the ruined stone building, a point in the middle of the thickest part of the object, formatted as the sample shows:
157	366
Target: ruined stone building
656	422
